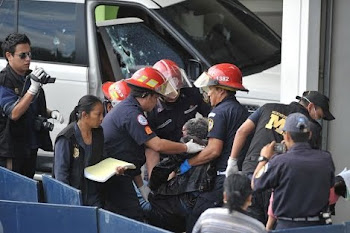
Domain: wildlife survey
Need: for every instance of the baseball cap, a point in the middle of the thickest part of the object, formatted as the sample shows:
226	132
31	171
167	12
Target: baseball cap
297	122
320	100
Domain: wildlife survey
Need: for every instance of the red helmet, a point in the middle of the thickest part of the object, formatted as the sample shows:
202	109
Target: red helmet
225	75
105	89
151	79
116	91
173	73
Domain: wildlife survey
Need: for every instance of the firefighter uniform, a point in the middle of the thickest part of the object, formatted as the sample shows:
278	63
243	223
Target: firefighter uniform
126	129
224	121
167	118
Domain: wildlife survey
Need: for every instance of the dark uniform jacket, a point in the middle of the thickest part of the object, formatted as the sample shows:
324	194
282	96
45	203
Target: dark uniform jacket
69	165
15	136
126	130
167	119
269	128
224	121
301	179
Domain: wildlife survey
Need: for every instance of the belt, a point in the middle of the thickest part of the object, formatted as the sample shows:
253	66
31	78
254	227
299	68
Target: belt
301	219
219	173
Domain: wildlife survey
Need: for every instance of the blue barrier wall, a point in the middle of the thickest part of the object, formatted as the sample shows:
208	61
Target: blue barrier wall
110	223
25	217
338	228
16	187
56	192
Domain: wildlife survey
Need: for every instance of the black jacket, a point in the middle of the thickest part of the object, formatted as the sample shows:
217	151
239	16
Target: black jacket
91	190
15	136
198	178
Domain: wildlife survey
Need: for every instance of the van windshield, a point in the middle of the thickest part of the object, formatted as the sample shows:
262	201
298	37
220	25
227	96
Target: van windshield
225	31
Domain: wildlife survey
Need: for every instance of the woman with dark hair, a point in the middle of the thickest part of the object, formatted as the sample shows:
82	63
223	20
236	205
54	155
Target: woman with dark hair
79	145
232	217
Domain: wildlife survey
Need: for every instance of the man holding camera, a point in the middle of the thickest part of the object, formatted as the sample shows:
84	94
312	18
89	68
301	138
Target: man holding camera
267	123
290	174
23	113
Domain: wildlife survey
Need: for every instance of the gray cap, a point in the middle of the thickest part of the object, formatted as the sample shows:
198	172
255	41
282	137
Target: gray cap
297	122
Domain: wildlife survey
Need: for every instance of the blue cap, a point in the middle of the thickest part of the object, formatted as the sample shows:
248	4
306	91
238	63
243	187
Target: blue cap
297	122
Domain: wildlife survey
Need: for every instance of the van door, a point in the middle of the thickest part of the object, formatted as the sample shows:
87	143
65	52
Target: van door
58	40
131	39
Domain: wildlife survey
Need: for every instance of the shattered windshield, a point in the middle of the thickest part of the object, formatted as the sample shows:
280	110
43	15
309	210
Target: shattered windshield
137	46
225	31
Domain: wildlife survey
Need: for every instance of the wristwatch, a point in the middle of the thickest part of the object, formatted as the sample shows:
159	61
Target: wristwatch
262	158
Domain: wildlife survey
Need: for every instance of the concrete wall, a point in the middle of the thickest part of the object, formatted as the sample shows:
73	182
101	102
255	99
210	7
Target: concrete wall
338	140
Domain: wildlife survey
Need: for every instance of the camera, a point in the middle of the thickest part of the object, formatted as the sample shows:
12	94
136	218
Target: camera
280	148
42	123
45	79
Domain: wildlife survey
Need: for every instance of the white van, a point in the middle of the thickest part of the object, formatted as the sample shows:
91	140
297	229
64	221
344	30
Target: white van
84	43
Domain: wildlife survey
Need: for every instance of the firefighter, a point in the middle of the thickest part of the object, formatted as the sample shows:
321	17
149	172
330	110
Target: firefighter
127	133
170	114
220	83
114	93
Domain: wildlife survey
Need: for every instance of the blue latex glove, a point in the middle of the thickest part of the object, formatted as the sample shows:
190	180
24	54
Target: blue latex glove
184	167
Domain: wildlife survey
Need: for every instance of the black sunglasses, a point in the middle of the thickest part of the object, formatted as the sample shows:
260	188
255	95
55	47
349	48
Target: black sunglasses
24	55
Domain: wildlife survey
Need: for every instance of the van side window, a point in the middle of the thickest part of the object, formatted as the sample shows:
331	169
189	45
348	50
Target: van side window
7	20
138	40
56	31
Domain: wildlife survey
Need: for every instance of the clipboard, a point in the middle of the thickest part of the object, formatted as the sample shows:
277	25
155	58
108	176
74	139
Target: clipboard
105	169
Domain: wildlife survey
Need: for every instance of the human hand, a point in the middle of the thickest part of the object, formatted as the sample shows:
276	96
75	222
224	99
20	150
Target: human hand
268	150
184	167
145	190
35	78
232	166
120	170
55	114
193	147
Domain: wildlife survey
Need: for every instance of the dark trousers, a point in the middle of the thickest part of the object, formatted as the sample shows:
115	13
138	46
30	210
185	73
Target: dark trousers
284	224
170	212
260	204
259	207
24	166
206	200
121	198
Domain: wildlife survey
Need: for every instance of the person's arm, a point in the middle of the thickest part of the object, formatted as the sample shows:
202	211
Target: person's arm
62	160
21	106
270	223
152	159
166	146
271	217
209	153
55	114
267	152
143	188
240	138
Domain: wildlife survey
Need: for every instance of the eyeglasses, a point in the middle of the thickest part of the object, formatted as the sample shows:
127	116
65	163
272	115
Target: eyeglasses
24	55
